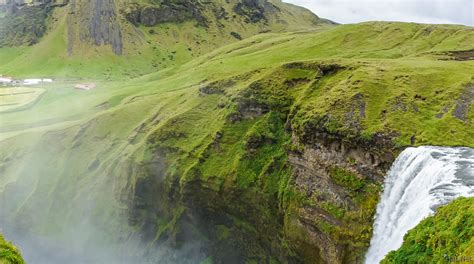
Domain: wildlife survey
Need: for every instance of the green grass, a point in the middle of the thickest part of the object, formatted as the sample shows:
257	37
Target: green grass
145	49
445	237
17	98
9	254
346	179
91	148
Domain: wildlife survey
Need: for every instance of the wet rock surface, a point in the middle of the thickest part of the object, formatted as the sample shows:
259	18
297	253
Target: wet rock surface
323	151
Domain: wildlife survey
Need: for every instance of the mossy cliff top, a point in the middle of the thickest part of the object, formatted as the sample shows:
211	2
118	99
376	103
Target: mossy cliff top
446	237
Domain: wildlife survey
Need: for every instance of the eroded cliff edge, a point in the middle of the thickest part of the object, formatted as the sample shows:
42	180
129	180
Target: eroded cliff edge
268	183
260	160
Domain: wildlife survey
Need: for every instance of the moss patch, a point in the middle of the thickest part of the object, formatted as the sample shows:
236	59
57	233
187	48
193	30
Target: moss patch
448	236
9	254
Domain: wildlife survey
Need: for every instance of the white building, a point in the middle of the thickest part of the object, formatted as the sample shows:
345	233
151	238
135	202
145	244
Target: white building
85	86
32	81
6	80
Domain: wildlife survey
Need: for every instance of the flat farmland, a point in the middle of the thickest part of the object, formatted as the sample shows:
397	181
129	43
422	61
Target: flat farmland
18	98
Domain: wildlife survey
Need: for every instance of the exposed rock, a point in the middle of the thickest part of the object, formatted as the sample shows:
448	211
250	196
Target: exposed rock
252	10
356	113
217	87
399	104
167	12
464	103
24	25
249	109
256	141
297	81
98	22
221	13
312	175
323	69
460	55
234	117
236	35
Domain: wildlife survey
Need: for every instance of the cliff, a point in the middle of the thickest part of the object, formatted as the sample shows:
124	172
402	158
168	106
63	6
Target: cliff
270	149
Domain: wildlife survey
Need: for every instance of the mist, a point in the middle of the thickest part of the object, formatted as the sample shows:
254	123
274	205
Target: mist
65	200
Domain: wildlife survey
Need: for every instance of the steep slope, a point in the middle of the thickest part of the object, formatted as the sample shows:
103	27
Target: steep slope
148	35
272	149
445	237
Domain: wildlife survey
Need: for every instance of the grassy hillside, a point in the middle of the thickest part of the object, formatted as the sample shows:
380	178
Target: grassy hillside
9	254
223	150
401	77
445	237
71	41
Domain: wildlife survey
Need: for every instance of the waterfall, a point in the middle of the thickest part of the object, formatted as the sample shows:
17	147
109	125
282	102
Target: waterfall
420	180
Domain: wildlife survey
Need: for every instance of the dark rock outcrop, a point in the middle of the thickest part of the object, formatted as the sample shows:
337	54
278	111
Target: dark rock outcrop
334	171
167	12
252	10
464	103
98	22
23	25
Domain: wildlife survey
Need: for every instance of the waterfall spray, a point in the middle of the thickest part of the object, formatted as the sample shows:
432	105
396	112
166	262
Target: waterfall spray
420	180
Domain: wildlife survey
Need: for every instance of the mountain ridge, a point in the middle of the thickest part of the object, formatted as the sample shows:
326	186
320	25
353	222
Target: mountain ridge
118	23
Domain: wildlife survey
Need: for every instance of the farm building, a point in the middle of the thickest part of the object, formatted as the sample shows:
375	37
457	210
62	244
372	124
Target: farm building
6	80
32	81
36	81
85	86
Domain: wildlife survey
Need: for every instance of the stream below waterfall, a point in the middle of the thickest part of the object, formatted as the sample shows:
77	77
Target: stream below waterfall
420	180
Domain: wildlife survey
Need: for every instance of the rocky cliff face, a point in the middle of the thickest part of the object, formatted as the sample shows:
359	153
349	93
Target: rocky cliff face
96	22
22	25
293	191
167	12
341	180
265	160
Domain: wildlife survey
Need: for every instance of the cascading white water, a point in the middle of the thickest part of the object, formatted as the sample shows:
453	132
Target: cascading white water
420	180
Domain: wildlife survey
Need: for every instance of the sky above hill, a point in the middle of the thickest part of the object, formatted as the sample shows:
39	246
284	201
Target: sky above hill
421	11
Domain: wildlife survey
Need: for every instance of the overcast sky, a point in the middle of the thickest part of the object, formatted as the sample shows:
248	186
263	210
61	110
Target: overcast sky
421	11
